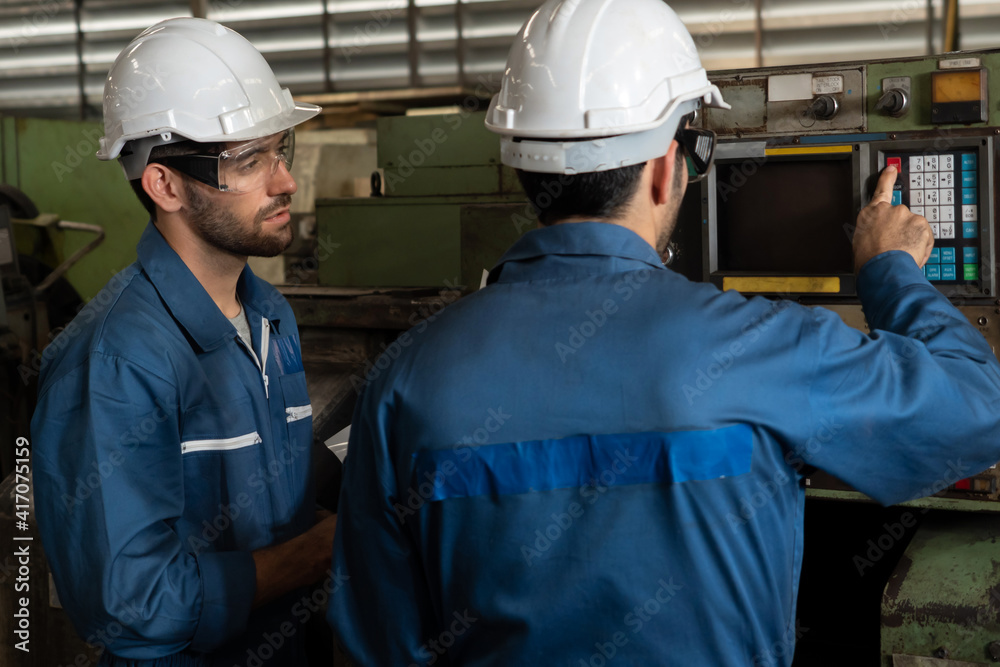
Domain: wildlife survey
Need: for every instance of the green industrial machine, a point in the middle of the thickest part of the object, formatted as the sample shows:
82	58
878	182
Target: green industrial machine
53	163
447	209
943	600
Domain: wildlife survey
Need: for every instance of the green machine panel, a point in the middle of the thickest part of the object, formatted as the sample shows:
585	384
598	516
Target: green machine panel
802	103
403	243
449	209
406	241
54	163
446	140
486	233
919	73
449	154
943	600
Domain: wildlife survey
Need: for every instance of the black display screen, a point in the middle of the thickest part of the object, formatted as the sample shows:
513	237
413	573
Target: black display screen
785	217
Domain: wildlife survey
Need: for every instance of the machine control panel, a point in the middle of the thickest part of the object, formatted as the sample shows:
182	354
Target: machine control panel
798	157
943	187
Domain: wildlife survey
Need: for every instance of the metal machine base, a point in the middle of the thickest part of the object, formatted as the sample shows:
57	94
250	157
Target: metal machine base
943	600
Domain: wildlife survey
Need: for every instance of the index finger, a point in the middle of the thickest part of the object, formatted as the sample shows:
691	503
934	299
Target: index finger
883	189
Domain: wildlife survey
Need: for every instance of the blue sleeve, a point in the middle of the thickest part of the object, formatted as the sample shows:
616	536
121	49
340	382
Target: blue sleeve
373	548
109	487
914	406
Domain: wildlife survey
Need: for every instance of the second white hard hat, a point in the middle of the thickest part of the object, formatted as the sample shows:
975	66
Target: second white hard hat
592	85
191	79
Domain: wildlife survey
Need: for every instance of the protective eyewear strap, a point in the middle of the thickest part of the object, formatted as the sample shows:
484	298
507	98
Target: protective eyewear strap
203	168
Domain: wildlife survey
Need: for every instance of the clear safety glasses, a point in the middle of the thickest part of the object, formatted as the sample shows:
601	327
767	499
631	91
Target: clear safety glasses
699	146
243	168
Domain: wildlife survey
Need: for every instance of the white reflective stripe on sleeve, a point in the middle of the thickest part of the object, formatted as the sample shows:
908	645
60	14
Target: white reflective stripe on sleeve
298	412
221	444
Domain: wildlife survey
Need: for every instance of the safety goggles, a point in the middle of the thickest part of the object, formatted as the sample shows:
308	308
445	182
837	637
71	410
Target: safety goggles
699	146
240	169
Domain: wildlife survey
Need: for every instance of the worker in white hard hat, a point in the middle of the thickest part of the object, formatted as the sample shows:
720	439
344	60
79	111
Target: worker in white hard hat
593	461
173	431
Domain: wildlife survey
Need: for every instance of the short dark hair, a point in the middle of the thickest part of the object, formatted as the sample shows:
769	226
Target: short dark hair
601	194
185	147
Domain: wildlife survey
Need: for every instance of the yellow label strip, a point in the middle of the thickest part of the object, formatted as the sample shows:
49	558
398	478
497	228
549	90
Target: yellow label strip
777	284
809	150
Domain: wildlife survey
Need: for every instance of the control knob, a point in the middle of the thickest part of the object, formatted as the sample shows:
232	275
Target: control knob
824	107
894	102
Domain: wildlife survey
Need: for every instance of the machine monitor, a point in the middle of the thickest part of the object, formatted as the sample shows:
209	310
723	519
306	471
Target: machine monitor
801	231
780	219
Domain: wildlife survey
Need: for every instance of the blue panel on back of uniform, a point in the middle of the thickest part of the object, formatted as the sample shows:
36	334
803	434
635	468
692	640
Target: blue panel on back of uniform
611	460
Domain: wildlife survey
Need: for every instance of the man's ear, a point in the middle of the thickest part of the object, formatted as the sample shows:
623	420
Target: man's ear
164	186
663	175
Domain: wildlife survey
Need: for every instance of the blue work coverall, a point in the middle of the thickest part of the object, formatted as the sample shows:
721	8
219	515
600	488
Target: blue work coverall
165	451
595	461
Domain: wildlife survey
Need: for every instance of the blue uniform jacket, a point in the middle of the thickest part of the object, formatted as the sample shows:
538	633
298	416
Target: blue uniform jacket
595	461
165	451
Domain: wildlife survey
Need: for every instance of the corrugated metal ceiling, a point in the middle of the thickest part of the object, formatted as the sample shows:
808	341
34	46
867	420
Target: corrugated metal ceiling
51	51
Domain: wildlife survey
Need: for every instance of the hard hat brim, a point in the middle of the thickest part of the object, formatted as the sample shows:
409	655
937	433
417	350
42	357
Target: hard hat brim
709	95
299	113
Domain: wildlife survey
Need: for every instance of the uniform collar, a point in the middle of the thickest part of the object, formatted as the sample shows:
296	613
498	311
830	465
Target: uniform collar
588	242
184	296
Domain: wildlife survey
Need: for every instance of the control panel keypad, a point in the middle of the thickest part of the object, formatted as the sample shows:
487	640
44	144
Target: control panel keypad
943	188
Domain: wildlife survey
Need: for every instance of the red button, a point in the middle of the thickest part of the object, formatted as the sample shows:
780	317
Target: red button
896	162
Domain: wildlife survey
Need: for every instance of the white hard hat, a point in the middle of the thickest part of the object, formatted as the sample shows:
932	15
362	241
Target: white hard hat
191	79
592	85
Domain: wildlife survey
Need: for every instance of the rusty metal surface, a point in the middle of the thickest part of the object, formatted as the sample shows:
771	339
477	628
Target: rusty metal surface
377	311
794	117
945	500
944	597
323	291
917	661
748	115
754	114
343	331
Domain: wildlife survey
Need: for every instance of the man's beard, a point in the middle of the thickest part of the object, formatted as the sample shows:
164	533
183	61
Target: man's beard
680	175
222	229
